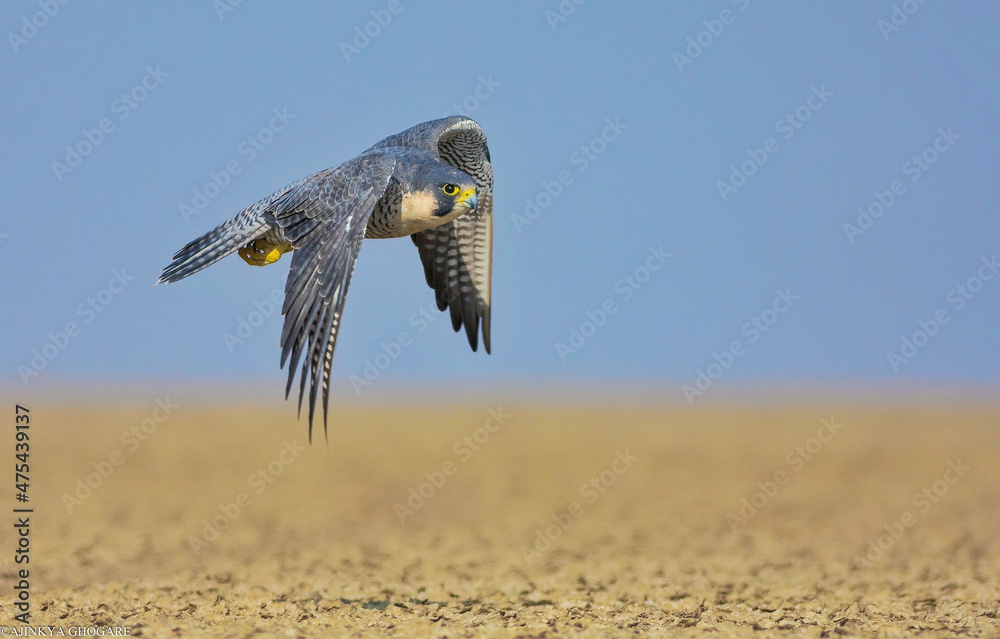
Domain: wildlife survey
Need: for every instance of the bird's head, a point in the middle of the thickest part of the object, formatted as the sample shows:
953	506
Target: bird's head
437	194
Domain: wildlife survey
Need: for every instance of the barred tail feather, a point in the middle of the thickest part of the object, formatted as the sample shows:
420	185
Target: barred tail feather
211	247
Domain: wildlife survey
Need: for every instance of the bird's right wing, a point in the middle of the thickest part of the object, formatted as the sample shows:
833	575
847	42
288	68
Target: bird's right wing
324	217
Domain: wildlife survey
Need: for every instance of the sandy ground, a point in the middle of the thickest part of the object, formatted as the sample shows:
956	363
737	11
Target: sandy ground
545	521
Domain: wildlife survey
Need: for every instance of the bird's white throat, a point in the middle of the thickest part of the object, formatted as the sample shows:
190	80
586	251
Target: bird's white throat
417	212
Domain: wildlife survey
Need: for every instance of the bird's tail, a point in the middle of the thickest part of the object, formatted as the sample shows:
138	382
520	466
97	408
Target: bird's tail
214	245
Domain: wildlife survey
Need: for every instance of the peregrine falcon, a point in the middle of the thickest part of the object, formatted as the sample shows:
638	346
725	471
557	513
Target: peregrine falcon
433	182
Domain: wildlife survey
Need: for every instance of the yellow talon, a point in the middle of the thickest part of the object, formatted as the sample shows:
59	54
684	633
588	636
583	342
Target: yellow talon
262	252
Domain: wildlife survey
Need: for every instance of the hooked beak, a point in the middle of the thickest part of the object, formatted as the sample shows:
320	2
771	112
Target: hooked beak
470	199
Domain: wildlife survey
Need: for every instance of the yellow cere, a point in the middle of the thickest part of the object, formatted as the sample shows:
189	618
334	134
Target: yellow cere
466	194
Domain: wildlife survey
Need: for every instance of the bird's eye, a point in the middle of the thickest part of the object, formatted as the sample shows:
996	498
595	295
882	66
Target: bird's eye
450	189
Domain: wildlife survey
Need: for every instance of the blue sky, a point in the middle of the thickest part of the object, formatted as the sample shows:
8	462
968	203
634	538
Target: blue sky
672	187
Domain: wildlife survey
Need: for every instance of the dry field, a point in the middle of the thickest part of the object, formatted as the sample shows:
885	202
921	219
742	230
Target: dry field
544	522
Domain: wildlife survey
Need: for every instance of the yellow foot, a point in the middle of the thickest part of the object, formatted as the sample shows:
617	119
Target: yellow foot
261	252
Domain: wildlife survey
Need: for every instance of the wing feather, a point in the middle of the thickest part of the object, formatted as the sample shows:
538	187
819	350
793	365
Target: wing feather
324	217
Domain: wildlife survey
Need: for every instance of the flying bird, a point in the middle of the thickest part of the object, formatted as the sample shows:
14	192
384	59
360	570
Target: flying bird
433	182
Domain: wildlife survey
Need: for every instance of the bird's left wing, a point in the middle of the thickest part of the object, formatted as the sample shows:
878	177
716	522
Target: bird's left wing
324	217
458	256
